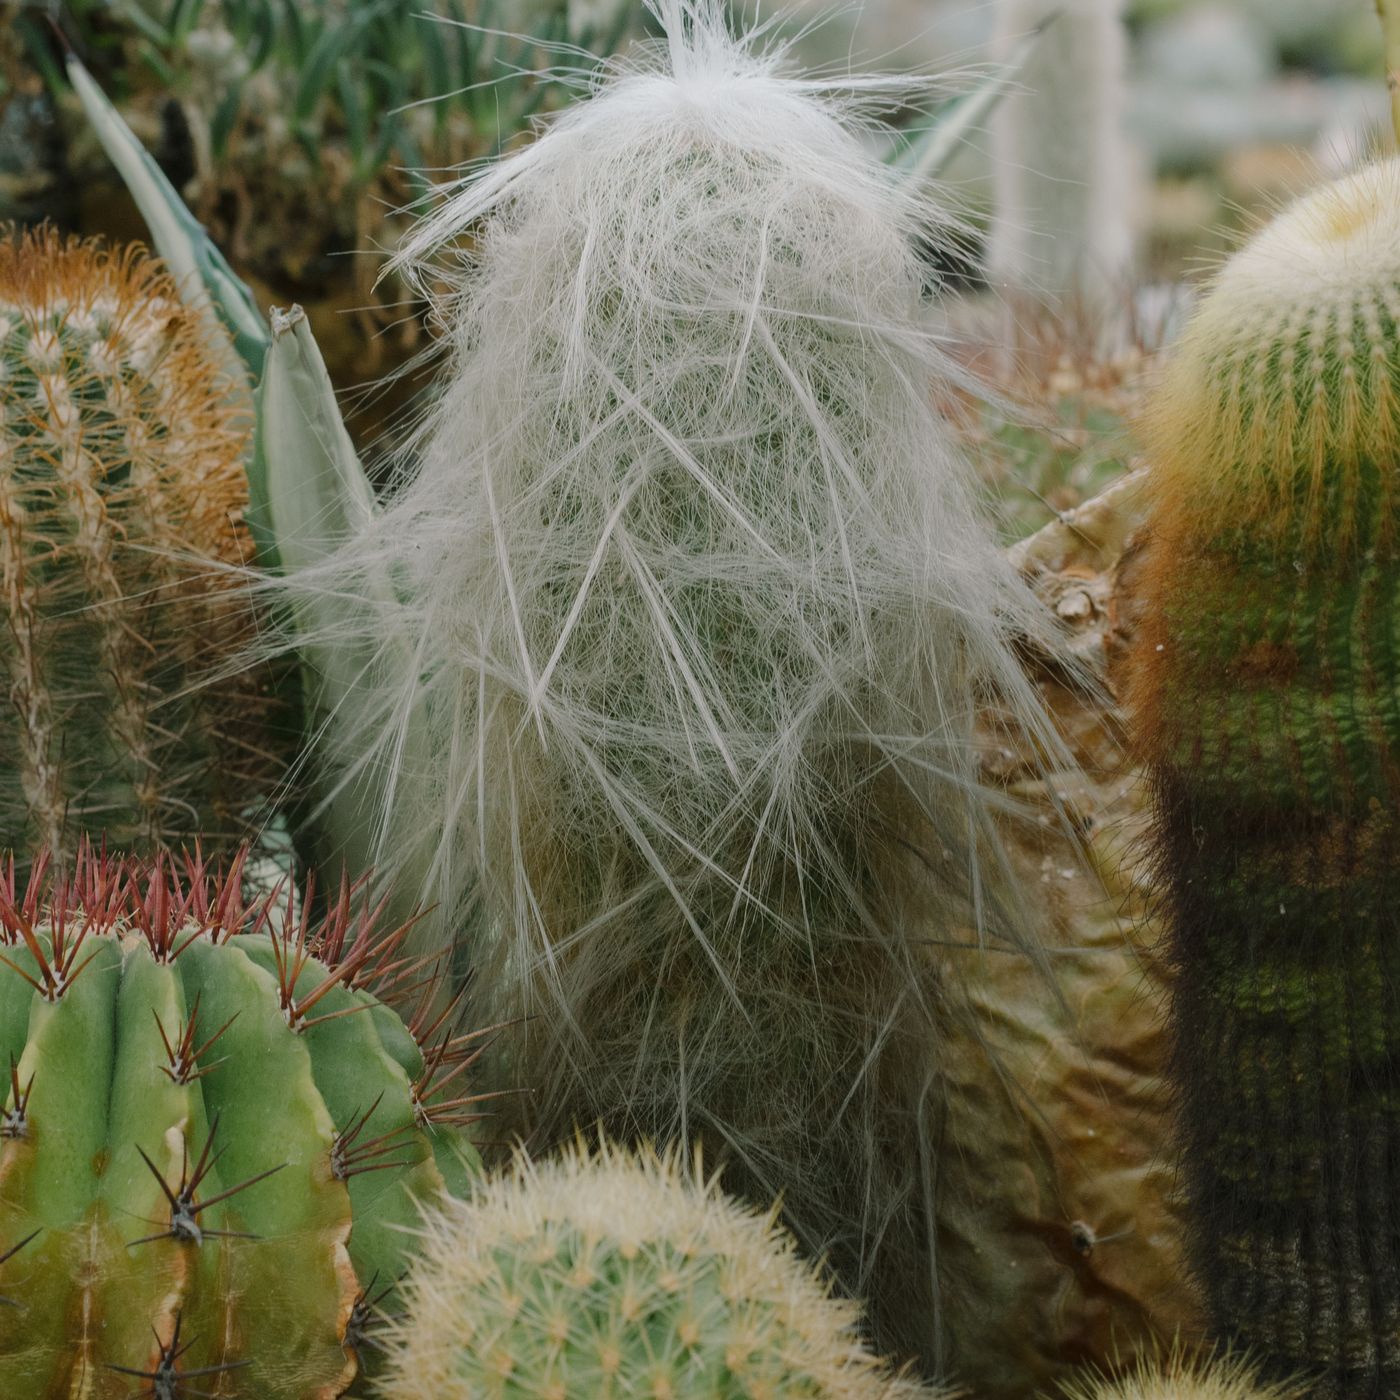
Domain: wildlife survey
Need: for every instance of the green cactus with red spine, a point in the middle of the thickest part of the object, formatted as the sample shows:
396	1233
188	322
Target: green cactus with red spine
214	1136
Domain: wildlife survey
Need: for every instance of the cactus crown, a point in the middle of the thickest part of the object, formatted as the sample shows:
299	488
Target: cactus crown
121	492
1183	1378
612	1274
1285	391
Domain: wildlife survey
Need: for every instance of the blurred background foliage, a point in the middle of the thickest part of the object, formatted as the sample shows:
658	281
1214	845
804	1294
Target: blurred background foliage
299	130
1233	105
1232	108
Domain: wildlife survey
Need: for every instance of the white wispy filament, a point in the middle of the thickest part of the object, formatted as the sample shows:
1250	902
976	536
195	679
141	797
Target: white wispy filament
701	613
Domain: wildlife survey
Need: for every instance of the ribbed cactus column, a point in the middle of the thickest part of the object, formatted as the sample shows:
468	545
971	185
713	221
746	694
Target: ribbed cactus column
1268	704
121	539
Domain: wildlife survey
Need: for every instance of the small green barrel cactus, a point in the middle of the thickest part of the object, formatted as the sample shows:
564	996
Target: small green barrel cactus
213	1138
1269	711
610	1274
1178	1378
121	497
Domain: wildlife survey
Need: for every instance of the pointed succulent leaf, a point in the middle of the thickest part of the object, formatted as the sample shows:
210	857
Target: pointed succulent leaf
309	491
310	494
927	155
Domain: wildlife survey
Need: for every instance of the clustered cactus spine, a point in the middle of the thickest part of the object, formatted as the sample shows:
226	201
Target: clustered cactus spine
213	1138
1183	1377
609	1274
698	613
1266	696
121	496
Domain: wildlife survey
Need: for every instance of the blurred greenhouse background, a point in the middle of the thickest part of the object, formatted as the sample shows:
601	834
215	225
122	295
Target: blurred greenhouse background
297	128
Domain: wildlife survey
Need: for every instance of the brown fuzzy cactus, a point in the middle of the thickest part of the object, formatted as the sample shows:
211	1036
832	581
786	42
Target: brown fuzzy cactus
121	499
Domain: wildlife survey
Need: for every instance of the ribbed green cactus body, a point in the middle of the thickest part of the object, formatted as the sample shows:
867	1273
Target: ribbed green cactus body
268	1285
121	499
1278	814
1269	692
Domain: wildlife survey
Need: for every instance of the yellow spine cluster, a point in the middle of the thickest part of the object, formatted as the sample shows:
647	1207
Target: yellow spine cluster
1181	1378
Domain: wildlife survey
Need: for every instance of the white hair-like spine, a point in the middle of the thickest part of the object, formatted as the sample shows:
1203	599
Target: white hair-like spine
691	614
1062	222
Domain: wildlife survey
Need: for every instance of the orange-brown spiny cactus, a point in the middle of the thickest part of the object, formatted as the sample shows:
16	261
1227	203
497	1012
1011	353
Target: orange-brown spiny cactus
121	499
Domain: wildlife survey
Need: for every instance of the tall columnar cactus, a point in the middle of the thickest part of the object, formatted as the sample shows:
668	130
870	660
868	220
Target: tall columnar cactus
609	1275
1062	225
1267	701
121	493
691	614
213	1137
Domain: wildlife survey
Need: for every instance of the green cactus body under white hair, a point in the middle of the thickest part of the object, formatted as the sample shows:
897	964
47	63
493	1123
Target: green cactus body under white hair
700	614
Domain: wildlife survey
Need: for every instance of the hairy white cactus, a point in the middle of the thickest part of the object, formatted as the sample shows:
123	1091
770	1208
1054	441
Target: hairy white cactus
690	614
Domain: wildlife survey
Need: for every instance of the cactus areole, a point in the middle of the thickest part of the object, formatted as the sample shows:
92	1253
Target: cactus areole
213	1136
1267	700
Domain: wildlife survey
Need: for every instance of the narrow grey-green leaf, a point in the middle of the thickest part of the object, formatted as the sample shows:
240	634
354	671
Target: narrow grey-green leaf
928	155
313	496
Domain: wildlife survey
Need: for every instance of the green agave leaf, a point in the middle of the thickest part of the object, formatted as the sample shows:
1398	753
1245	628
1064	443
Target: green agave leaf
313	491
927	155
205	278
316	495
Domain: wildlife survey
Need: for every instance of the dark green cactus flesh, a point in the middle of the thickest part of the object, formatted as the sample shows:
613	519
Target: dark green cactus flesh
1283	855
213	1139
1269	699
